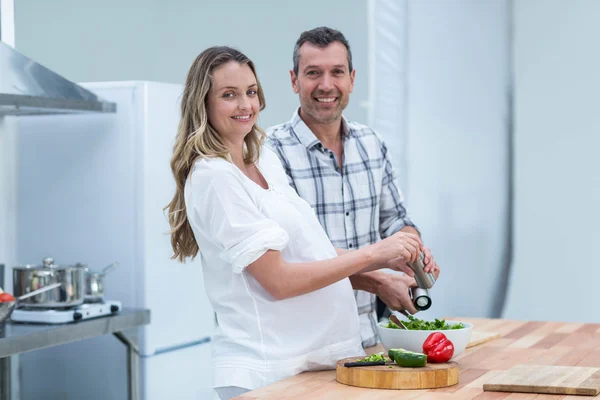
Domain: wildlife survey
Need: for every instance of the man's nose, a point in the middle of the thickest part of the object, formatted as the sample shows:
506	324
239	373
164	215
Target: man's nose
326	83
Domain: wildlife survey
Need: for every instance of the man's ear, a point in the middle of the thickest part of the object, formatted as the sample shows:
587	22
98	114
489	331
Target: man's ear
294	79
352	76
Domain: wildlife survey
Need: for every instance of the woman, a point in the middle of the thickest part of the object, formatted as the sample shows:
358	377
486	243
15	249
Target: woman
276	283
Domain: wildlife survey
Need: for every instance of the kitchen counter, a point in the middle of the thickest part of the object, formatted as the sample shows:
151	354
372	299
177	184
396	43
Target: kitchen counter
16	338
522	342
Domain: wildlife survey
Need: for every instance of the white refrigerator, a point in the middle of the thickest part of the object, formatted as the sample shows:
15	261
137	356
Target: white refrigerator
91	189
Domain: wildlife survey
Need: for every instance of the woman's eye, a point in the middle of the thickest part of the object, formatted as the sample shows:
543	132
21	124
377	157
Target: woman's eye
228	95
252	92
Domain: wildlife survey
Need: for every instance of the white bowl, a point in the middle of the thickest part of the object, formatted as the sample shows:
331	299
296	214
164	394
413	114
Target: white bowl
412	340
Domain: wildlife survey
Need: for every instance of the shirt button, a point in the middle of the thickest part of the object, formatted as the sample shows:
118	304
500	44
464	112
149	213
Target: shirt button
350	245
331	155
347	213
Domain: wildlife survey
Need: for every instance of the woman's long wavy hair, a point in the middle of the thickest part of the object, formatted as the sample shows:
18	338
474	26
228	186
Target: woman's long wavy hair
196	138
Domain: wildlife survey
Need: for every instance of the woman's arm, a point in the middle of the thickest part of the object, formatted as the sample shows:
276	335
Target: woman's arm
398	263
225	215
284	280
392	264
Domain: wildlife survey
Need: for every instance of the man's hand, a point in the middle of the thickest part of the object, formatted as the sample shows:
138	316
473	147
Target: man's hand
430	263
392	289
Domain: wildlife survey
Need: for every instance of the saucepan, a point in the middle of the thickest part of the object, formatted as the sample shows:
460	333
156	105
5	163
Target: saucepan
94	283
69	293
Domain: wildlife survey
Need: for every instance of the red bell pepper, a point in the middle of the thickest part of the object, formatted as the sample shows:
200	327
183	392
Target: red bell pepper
438	348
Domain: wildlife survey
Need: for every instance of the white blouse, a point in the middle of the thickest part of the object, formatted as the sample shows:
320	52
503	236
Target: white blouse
262	340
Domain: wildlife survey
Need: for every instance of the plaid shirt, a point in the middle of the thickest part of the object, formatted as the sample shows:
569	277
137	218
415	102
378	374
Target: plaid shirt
356	208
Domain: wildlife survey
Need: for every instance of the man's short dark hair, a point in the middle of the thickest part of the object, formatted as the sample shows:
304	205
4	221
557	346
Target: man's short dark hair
321	37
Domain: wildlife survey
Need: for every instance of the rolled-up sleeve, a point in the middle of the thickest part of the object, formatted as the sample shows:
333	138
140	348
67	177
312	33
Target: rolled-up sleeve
393	215
228	217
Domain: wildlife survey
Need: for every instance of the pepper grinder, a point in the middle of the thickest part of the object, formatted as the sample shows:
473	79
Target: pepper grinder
425	280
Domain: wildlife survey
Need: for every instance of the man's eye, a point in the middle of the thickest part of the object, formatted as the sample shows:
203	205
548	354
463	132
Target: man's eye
312	73
339	72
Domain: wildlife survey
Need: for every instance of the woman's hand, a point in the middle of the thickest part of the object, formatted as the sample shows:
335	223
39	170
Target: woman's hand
399	264
407	246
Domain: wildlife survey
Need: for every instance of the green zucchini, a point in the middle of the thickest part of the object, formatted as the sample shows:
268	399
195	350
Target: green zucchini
405	358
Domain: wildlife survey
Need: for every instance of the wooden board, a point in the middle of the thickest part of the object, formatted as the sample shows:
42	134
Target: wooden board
481	337
384	377
547	380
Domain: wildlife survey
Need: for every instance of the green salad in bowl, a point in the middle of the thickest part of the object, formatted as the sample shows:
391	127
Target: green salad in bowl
415	324
417	330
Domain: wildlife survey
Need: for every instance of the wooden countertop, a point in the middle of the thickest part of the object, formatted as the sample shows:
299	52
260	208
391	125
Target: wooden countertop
522	342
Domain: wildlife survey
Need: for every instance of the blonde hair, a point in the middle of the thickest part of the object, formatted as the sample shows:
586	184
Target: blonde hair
196	138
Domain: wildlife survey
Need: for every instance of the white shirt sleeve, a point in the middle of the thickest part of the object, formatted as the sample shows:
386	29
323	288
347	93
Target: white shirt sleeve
227	216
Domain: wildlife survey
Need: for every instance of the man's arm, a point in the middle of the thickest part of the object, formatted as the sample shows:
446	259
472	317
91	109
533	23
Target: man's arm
392	213
410	229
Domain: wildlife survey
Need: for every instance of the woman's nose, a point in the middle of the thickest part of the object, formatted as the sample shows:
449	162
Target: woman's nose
244	103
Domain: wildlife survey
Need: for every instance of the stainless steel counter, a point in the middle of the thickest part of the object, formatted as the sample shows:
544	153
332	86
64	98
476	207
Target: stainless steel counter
16	338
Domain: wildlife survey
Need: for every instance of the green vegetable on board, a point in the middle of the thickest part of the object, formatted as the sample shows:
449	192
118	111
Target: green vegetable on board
374	358
408	359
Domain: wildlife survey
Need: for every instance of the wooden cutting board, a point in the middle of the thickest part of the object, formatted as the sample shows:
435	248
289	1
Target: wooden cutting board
482	337
383	377
546	379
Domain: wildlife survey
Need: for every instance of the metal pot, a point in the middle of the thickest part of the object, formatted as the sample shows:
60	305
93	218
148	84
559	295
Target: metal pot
94	283
28	278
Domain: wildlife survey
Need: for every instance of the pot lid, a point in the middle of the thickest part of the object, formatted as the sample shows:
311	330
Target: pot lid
47	264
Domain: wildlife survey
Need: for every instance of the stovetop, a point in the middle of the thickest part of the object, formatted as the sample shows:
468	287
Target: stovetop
61	316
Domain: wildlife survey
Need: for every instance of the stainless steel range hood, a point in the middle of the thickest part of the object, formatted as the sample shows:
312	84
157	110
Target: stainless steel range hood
28	88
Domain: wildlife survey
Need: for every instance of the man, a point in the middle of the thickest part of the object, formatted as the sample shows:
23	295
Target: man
342	169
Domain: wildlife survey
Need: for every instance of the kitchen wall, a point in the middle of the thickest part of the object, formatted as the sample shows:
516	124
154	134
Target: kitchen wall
441	90
154	40
557	184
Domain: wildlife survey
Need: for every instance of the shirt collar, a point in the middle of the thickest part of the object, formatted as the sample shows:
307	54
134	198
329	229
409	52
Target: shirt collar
306	136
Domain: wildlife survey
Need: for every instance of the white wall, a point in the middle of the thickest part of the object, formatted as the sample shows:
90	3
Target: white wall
157	40
557	180
445	66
